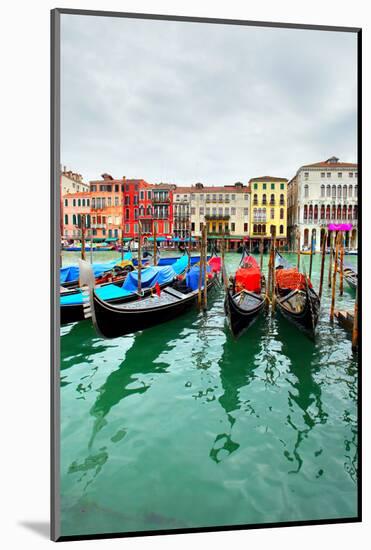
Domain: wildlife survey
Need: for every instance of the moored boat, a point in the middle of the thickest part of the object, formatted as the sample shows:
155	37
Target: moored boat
245	297
296	299
351	276
162	305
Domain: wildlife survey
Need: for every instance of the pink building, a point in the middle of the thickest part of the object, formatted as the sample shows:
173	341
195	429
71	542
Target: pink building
75	204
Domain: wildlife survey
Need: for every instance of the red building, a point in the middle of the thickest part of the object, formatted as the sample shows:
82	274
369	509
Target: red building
120	203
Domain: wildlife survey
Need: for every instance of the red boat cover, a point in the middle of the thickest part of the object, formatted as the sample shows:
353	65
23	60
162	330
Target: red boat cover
215	263
291	279
249	276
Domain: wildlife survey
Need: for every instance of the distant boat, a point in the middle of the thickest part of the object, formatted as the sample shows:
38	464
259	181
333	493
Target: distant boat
245	298
112	320
296	299
351	276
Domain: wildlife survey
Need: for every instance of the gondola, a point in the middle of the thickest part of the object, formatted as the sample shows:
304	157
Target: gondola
111	320
245	297
351	276
296	299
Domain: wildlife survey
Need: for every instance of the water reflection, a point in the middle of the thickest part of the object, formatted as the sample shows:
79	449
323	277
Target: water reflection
236	371
307	395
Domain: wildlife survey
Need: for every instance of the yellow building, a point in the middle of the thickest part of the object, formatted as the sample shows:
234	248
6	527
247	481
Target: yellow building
268	208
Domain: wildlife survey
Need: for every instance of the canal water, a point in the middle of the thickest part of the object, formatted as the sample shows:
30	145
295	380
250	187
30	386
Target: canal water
180	426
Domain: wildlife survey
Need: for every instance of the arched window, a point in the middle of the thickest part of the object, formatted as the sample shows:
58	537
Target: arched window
344	216
259	228
333	212
79	220
327	212
141	211
272	199
65	202
127	214
263	228
306	190
272	213
322	190
79	202
339	191
350	189
355	191
310	212
328	191
281	229
149	210
136	213
264	199
74	221
282	213
255	199
338	213
255	213
350	213
355	211
344	191
255	228
83	202
88	220
282	199
322	216
316	212
305	212
66	219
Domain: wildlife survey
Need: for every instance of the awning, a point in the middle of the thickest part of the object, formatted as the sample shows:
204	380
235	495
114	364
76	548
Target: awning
98	240
111	239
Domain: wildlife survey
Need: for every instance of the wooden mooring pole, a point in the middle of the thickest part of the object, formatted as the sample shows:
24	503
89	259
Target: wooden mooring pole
323	251
311	255
205	271
83	227
331	236
154	244
199	297
333	293
341	283
298	242
261	252
140	258
273	273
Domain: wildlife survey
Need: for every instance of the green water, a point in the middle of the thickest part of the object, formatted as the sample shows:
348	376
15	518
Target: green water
180	426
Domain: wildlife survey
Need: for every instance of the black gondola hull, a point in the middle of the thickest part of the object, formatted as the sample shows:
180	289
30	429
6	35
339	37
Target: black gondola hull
111	321
307	319
240	319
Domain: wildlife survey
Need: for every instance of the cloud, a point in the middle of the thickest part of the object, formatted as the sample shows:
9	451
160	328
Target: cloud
186	102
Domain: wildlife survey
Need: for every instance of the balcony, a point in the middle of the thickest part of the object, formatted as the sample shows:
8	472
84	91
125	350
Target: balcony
259	220
98	225
216	217
218	234
158	200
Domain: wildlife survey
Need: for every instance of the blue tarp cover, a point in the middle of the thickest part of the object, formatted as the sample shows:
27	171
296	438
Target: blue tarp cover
71	272
193	276
150	276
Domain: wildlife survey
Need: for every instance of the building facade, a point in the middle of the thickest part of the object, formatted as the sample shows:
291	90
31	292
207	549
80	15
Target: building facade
74	205
163	208
224	209
268	209
319	194
71	182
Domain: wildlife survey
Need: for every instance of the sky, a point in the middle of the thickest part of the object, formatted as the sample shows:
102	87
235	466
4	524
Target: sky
183	102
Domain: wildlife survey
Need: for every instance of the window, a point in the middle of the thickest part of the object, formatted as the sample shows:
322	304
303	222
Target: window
322	190
116	232
328	191
306	191
127	214
272	185
246	197
233	211
340	174
208	211
201	211
116	201
328	174
65	202
142	195
214	211
233	226
350	174
255	186
116	188
192	226
201	197
109	201
264	200
282	213
66	219
227	211
355	191
93	188
264	185
272	199
149	194
339	191
87	202
305	212
350	189
193	196
233	197
220	198
322	174
220	211
255	200
74	220
201	226
136	213
74	202
193	210
127	228
281	229
245	211
272	213
282	186
306	175
334	191
245	227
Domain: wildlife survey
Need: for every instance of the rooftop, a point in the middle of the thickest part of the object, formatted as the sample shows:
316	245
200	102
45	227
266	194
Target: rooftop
267	178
